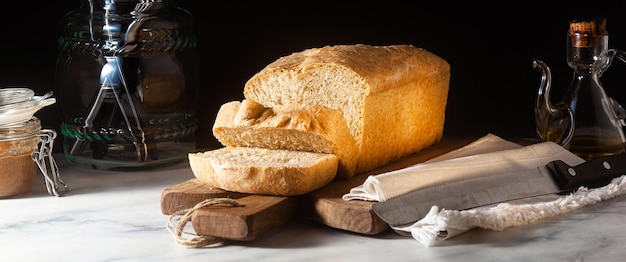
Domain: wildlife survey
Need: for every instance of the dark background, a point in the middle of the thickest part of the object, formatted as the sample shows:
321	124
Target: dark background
490	48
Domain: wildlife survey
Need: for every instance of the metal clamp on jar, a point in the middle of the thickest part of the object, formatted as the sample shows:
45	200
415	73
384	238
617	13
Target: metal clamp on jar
24	145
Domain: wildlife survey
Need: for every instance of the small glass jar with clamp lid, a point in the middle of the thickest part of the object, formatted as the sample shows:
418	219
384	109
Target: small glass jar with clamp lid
24	145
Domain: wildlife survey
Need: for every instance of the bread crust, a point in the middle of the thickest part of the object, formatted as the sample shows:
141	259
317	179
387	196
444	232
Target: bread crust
383	67
311	129
264	171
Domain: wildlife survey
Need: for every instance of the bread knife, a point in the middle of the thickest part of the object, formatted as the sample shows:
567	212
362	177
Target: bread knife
554	177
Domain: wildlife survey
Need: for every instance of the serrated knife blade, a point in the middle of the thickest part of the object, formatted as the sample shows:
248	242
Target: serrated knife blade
555	177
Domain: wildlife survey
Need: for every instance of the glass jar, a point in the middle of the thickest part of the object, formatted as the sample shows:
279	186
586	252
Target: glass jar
126	82
24	146
17	169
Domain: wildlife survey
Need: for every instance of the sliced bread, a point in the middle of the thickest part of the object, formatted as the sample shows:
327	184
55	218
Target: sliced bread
264	171
291	127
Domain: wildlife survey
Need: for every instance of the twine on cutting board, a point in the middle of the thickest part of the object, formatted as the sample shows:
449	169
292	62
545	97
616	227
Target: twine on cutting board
185	216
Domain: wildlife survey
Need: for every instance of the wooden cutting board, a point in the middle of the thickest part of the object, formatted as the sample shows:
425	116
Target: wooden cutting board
257	215
261	214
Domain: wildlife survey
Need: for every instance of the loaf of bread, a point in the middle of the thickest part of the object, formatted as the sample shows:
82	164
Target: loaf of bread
393	98
290	127
264	171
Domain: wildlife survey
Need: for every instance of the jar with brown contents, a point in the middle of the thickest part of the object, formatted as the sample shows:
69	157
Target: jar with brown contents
18	141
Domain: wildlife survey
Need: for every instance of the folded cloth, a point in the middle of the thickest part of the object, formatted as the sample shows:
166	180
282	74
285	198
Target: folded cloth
487	155
485	144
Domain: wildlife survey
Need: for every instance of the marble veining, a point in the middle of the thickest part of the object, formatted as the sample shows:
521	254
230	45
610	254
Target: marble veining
116	216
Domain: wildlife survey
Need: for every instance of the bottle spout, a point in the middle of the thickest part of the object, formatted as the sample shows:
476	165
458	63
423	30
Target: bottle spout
553	122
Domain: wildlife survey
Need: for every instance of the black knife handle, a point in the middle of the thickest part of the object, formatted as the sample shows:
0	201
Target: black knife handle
596	172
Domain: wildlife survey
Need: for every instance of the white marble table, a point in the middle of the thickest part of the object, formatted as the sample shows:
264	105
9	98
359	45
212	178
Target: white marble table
111	216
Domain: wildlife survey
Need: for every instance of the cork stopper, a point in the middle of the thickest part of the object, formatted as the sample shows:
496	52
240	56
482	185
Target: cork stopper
592	27
587	33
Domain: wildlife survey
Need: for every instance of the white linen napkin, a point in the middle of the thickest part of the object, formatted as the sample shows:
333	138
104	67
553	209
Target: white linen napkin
480	157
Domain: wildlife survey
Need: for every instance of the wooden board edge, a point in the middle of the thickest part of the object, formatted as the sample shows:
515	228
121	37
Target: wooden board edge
354	216
257	216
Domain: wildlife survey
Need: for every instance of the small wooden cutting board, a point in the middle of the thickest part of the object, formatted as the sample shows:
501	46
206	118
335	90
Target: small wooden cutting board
256	215
261	214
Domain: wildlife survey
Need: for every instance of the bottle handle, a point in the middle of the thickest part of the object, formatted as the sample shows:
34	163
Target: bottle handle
602	64
606	58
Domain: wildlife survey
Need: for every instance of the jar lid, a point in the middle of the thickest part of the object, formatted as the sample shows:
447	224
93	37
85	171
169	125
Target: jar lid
13	95
18	104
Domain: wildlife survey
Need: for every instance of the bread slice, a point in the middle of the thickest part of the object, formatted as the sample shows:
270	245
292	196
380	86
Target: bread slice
264	171
293	127
393	98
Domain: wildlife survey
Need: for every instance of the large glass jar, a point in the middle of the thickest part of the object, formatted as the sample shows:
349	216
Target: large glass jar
126	84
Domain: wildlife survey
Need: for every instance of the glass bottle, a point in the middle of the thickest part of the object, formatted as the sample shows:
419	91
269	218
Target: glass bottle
587	121
126	80
597	129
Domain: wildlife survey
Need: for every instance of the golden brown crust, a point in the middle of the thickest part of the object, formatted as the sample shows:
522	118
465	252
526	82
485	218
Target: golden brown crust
384	67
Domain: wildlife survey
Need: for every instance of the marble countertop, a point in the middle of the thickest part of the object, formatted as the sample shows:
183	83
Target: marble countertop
116	216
